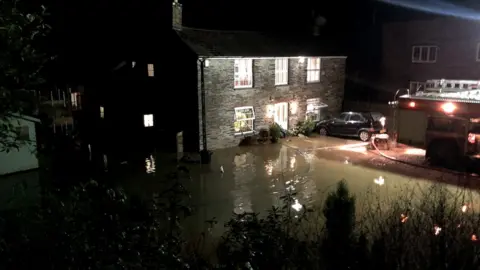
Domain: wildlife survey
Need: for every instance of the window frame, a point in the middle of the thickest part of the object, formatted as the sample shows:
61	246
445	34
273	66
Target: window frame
314	108
281	71
316	70
421	48
252	119
237	73
150	70
146	122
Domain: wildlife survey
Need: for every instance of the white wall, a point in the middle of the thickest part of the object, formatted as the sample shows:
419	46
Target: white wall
25	157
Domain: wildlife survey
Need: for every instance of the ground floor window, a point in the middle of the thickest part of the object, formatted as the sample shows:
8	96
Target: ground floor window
314	108
148	120
244	119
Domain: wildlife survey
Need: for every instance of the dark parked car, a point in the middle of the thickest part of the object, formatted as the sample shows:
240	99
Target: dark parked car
355	124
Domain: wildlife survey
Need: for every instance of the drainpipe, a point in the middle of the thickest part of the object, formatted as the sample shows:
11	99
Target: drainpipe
205	154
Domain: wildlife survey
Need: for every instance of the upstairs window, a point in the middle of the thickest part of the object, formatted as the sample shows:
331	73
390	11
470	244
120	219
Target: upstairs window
102	112
281	71
148	120
150	70
313	69
243	74
424	54
244	118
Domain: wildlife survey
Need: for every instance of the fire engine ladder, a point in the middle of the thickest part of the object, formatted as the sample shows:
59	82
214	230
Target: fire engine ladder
451	86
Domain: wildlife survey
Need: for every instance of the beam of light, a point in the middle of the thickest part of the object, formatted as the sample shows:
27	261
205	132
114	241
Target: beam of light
436	7
415	152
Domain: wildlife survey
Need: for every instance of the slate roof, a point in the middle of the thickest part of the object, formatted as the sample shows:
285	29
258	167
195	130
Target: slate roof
214	43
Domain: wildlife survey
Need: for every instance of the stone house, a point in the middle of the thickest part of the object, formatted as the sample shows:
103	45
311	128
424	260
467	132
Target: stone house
237	81
247	80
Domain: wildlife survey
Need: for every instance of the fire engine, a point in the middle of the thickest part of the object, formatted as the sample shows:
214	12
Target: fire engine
444	119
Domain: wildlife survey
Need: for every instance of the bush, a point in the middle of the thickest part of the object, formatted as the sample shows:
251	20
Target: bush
98	227
304	127
275	132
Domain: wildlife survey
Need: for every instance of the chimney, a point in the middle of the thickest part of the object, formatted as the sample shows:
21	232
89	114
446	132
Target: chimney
318	23
176	15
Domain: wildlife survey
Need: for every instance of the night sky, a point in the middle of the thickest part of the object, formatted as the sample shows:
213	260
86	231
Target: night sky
98	31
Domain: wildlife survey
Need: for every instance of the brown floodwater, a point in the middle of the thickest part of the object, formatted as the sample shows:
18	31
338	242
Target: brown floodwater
254	178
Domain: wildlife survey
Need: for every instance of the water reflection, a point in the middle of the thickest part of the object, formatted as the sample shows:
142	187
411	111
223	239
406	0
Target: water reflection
243	174
150	164
256	177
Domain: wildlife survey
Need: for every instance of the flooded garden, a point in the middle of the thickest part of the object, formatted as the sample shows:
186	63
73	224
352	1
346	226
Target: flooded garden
255	208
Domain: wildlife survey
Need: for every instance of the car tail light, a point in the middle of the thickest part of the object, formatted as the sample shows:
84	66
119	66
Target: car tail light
471	138
412	104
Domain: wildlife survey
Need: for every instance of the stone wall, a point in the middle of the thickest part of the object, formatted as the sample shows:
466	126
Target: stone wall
222	98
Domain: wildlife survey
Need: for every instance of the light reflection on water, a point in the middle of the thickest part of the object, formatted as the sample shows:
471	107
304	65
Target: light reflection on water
256	177
242	176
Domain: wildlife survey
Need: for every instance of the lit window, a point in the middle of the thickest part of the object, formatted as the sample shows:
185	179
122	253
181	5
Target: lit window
314	107
424	54
281	71
244	119
148	120
313	69
243	73
102	112
76	100
23	133
150	70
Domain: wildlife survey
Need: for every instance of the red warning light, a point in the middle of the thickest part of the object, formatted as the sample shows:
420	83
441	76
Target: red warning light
448	107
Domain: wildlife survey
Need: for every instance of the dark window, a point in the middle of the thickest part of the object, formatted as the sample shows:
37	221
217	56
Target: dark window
432	56
424	56
478	52
457	85
416	54
344	116
356	117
